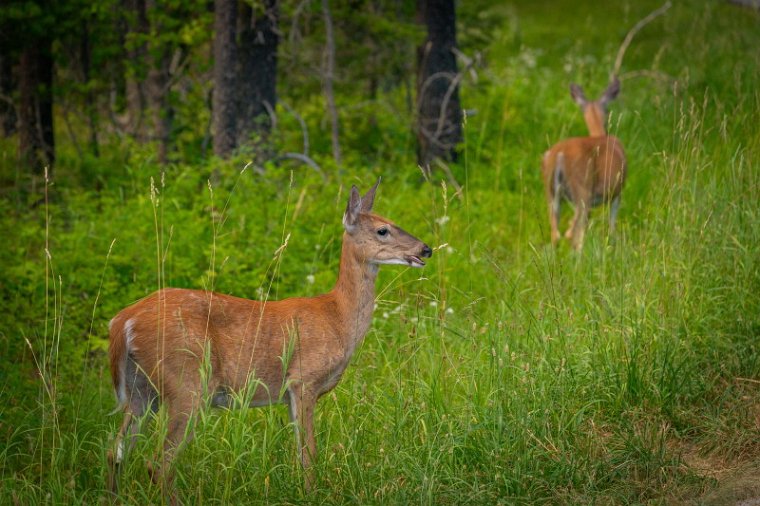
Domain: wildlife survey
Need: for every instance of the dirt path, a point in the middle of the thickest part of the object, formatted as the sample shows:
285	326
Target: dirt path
736	488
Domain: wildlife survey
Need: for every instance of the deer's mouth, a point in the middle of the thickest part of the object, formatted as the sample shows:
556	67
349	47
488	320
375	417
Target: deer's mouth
415	261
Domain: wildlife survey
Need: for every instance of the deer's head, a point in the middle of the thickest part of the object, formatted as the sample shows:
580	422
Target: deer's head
378	240
595	112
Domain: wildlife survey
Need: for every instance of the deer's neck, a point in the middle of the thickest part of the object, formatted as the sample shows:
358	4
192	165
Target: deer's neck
355	293
595	121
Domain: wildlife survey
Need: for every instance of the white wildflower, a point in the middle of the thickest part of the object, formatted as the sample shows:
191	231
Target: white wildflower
528	58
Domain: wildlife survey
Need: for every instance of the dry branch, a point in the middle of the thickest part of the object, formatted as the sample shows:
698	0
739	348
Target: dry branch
307	160
632	33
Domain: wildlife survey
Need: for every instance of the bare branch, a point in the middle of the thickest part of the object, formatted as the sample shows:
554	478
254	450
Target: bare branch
429	81
652	74
433	137
270	111
449	174
632	33
454	80
294	33
304	159
452	88
469	63
176	71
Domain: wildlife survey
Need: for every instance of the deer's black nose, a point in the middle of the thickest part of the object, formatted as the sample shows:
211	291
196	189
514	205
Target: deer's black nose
426	251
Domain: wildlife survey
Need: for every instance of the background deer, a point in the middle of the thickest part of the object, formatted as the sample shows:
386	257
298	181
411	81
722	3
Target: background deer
585	170
291	351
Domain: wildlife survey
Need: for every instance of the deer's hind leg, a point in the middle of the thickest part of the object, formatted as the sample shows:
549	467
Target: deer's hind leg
141	396
553	190
554	210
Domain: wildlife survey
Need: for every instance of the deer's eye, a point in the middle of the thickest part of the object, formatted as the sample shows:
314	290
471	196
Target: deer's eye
382	232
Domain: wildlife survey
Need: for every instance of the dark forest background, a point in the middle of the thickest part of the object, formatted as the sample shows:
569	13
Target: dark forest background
190	79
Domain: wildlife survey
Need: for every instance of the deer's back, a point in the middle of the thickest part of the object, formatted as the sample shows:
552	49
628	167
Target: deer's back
592	167
174	330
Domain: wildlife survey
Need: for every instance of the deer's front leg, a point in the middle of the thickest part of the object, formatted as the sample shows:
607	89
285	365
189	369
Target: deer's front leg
302	403
553	197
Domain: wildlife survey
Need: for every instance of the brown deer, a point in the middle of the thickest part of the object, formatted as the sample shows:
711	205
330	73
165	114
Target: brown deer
291	351
586	170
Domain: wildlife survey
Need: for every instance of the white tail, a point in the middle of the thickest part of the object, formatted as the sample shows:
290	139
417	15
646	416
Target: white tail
585	170
291	351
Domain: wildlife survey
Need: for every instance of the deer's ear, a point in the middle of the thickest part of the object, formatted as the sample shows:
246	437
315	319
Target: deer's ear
368	200
577	93
611	92
353	208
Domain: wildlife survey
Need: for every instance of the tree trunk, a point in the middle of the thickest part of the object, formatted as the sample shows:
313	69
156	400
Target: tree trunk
36	138
7	87
258	69
157	88
85	53
329	75
225	77
439	115
137	24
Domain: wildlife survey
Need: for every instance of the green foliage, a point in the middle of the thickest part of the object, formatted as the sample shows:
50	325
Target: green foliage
506	371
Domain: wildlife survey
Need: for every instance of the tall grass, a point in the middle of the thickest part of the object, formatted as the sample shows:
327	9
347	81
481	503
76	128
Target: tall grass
506	371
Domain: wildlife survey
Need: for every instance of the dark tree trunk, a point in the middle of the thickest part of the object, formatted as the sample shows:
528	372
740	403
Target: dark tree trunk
7	87
225	77
373	80
137	25
258	68
36	140
157	88
328	78
85	53
439	115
